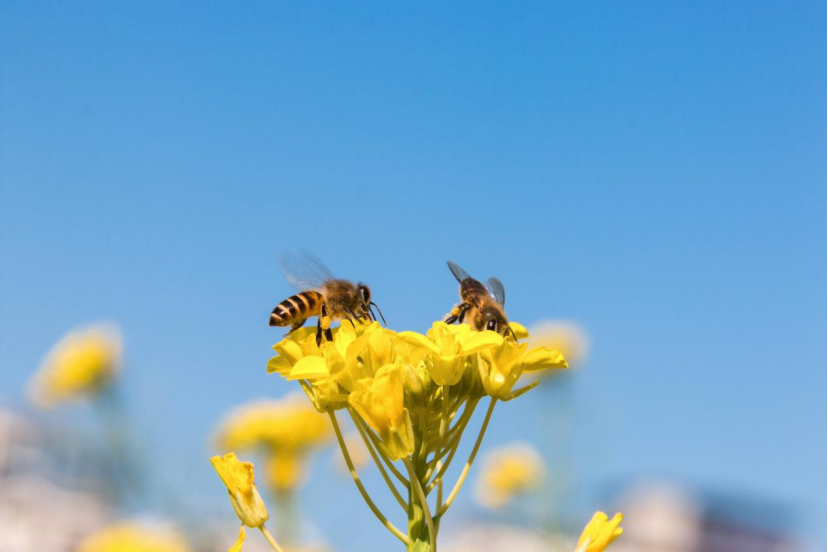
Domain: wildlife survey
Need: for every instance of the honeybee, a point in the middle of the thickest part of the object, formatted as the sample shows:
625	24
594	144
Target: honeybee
482	307
323	295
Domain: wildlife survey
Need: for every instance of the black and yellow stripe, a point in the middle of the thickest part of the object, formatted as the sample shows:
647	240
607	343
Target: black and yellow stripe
296	307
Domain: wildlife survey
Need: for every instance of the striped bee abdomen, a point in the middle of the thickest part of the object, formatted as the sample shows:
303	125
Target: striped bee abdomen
296	307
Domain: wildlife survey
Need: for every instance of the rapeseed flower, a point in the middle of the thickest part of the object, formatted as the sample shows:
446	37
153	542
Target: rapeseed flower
79	366
134	537
508	472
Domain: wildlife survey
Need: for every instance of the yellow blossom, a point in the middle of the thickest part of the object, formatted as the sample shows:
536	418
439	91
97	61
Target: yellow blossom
134	537
600	532
445	348
286	430
508	472
379	400
286	424
238	478
563	335
78	366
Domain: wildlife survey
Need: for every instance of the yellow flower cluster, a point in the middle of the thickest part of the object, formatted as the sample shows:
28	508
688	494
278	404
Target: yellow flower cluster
285	430
387	377
600	532
134	537
79	366
508	472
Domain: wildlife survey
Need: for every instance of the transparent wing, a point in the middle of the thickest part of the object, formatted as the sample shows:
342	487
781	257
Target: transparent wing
303	270
458	272
497	290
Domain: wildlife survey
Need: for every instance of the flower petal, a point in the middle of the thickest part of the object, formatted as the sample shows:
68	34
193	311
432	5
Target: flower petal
418	340
482	340
309	368
520	331
239	542
543	358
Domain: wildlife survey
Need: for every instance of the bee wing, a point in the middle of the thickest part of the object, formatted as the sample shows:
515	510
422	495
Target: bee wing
497	290
458	272
304	271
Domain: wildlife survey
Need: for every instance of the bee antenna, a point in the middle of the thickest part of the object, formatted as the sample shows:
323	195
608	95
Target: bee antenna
384	323
513	332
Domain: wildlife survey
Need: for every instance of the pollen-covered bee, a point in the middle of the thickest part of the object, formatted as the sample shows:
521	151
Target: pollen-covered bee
482	307
322	295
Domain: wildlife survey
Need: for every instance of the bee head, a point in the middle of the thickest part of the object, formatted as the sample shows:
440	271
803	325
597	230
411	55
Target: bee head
364	294
366	303
494	320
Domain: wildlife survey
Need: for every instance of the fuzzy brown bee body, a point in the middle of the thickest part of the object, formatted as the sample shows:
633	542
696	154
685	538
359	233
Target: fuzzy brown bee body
323	296
481	306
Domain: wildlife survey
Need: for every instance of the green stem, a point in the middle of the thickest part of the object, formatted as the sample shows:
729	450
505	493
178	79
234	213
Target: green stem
444	508
270	540
388	525
415	483
379	463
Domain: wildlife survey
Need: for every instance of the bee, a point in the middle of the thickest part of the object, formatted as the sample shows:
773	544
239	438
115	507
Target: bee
323	295
482	307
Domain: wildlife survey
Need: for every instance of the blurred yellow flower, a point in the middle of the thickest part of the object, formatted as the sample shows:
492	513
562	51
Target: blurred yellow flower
238	478
600	532
508	472
564	335
134	537
80	365
285	430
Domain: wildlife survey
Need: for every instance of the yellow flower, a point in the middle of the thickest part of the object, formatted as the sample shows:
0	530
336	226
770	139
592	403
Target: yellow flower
79	366
134	537
565	336
600	532
238	478
379	401
508	472
286	470
445	348
501	367
286	424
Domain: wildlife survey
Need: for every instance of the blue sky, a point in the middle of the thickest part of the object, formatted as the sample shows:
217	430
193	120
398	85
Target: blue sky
652	170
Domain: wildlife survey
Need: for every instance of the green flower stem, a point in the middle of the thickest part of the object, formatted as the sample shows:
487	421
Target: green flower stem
270	540
375	440
418	488
460	426
403	504
444	508
388	525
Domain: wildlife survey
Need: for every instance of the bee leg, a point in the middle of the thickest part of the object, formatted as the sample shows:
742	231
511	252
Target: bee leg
323	323
352	315
457	313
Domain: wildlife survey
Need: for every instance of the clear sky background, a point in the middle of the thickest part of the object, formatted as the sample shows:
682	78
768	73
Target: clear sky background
652	170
